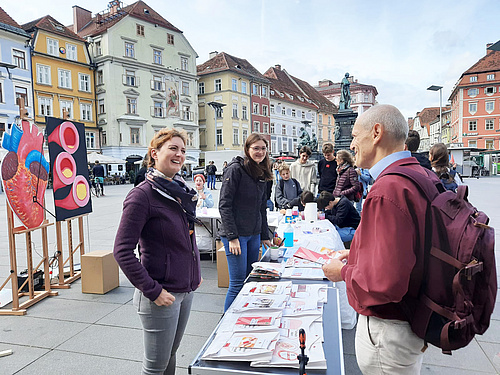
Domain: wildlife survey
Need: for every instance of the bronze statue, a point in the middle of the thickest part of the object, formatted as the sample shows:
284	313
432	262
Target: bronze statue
345	93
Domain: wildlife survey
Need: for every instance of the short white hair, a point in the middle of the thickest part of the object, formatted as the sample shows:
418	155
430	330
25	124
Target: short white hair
389	117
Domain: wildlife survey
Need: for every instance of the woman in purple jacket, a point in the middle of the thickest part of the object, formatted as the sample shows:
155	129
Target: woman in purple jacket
159	215
347	181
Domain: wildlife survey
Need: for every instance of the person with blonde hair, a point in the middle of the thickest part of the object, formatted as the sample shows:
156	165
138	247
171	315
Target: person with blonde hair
159	215
347	181
288	189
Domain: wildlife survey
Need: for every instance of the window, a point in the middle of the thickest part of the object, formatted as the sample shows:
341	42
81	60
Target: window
132	106
53	47
489	106
190	139
490	90
473	79
473	92
1	93
244	136
64	78
22	92
156	83
243	87
256	127
84	82
283	111
272	108
71	53
140	29
490	77
294	131
266	128
264	110
284	145
45	106
186	114
157	57
255	108
134	136
86	111
184	64
329	120
129	50
244	112
255	89
100	77
185	88
218	84
219	137
490	144
473	126
101	106
90	139
234	84
236	136
273	147
264	91
2	128
170	39
472	108
98	48
294	113
201	88
104	139
129	78
472	143
19	59
283	129
66	105
43	74
488	125
272	127
158	109
235	110
320	118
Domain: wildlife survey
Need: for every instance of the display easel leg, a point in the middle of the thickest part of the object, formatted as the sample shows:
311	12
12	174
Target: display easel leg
60	260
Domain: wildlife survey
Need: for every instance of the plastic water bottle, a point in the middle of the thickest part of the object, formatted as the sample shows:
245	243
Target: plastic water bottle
288	236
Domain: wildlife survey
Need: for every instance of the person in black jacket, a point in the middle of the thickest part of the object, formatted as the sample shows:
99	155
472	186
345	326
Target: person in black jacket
341	212
242	207
412	144
327	169
141	175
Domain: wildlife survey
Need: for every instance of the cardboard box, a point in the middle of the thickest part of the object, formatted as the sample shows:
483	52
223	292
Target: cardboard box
222	271
99	272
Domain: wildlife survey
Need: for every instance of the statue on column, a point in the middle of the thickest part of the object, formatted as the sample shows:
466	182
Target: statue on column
345	93
305	140
314	143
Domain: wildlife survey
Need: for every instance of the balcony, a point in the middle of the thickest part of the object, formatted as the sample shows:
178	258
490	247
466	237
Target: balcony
187	115
129	80
158	112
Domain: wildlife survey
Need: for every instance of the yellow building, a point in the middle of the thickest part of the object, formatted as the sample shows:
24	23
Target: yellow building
63	77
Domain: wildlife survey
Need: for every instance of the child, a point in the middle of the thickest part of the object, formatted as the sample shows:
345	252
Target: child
287	189
341	212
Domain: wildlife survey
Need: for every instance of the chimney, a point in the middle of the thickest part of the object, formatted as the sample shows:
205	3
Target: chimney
114	6
278	66
325	83
211	55
488	51
81	17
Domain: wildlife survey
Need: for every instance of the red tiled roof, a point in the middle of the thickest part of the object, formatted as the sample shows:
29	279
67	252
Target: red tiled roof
139	9
50	24
428	115
224	61
8	20
335	88
324	104
411	121
488	63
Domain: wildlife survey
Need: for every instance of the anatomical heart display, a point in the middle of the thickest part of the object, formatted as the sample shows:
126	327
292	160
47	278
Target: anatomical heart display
68	162
25	172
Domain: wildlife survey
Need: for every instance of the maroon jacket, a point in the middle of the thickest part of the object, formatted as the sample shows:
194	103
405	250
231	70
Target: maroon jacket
387	245
347	184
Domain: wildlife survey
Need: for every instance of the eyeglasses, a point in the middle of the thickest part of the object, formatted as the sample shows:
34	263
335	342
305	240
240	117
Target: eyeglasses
257	149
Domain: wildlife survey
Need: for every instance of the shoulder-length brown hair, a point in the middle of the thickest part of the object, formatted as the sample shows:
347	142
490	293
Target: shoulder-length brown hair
263	169
440	159
159	139
346	157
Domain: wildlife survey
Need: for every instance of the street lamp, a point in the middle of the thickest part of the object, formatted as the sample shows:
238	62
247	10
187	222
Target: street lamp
218	114
440	89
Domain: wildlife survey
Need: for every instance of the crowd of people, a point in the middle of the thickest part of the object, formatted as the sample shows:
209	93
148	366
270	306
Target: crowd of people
159	215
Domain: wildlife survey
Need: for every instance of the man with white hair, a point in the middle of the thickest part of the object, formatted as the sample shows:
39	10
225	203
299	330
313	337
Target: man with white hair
387	249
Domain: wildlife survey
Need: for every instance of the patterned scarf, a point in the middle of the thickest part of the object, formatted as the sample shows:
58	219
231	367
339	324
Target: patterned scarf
175	189
342	167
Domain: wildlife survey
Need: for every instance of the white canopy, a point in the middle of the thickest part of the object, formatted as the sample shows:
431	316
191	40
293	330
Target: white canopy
103	159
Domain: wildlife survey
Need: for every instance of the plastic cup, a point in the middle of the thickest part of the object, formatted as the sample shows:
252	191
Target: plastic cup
274	253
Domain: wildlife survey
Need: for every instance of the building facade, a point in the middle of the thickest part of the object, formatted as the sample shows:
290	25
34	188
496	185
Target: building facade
362	96
63	76
15	71
145	78
475	105
233	82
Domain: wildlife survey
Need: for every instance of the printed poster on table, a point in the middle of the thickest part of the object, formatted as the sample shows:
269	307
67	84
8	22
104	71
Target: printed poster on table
68	163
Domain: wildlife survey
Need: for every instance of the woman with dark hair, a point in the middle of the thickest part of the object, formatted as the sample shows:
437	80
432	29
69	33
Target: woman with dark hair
440	161
347	181
242	208
159	214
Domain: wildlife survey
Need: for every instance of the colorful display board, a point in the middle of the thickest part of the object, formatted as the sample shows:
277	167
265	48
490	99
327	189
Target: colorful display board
68	163
25	172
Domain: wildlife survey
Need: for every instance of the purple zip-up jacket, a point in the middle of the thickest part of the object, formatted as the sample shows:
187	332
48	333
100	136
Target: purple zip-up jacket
169	255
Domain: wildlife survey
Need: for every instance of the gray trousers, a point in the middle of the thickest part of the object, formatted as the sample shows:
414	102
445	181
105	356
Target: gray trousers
163	328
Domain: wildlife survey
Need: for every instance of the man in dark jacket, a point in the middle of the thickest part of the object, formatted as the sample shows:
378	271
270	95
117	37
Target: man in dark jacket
98	172
327	169
341	212
411	144
211	169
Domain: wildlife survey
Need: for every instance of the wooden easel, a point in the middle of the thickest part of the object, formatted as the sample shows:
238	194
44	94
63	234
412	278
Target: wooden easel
33	297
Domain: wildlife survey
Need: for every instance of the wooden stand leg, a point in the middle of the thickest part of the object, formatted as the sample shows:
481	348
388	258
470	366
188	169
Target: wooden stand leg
60	259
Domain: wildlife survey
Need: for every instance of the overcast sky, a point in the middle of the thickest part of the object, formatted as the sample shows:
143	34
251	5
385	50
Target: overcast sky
401	47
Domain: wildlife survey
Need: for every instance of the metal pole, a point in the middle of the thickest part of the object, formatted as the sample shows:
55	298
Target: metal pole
215	114
440	113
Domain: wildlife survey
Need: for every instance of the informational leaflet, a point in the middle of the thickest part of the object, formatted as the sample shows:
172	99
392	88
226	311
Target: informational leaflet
311	256
303	273
267	270
259	302
276	287
251	321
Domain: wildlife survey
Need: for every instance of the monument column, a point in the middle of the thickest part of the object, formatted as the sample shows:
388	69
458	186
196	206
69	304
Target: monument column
345	118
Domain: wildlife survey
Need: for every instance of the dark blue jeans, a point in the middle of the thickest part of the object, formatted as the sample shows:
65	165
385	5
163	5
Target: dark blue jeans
346	234
240	265
211	181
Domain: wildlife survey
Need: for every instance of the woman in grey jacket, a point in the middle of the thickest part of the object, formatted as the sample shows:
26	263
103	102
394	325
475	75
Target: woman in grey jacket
159	214
242	207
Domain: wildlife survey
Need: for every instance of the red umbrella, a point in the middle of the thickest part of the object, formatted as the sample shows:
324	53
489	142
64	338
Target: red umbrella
285	158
